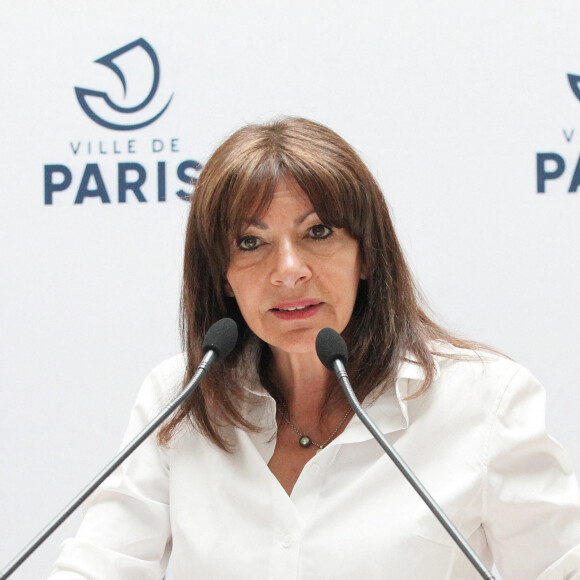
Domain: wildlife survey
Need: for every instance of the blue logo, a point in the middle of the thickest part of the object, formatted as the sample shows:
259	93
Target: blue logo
137	58
574	81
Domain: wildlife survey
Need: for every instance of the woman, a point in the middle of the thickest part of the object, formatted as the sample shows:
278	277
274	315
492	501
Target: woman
264	473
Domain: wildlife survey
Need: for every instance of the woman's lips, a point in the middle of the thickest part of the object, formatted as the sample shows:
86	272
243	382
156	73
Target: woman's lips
297	310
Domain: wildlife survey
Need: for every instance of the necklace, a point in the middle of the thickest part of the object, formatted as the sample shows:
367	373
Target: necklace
305	440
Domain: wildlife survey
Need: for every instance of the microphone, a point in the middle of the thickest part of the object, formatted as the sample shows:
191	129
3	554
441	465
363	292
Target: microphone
333	354
217	344
220	338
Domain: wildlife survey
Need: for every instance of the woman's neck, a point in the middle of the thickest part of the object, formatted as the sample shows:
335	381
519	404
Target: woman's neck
303	381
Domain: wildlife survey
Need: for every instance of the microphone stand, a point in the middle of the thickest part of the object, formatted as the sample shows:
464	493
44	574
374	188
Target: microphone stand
406	471
210	357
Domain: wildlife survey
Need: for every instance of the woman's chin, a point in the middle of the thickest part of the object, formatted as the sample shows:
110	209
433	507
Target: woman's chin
298	343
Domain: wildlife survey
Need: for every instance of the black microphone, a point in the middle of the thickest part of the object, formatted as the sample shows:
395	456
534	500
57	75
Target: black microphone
217	344
333	354
220	338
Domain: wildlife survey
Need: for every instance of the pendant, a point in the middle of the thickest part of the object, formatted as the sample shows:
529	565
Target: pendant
305	441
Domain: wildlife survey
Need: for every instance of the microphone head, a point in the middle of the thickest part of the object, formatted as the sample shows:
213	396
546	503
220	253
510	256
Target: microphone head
331	346
221	338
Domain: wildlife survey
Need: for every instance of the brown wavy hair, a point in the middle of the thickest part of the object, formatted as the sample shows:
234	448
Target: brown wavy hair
237	184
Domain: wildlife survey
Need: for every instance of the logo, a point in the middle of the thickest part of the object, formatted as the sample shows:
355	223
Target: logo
100	169
137	68
552	165
574	80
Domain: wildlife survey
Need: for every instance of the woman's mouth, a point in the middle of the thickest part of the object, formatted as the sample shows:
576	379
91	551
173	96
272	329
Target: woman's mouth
296	311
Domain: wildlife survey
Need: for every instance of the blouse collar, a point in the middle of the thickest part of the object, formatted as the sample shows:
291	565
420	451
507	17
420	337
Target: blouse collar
389	411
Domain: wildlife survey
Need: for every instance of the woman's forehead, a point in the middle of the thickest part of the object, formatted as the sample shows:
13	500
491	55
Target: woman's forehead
251	207
285	191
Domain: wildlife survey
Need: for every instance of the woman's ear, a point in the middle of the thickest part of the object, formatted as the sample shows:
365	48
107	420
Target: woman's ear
361	263
228	290
363	272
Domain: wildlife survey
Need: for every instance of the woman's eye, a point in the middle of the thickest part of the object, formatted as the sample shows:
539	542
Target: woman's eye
320	232
249	243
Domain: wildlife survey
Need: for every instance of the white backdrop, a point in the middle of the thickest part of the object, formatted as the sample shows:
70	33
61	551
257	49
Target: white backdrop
448	102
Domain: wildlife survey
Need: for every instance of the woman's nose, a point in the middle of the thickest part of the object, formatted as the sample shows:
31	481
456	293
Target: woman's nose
290	267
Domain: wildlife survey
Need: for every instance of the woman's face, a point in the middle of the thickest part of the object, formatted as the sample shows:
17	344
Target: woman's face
293	275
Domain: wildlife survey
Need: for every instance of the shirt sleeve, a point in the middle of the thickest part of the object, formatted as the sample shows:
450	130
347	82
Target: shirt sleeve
533	502
125	533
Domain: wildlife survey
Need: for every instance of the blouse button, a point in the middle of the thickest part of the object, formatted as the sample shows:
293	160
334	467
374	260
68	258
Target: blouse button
287	541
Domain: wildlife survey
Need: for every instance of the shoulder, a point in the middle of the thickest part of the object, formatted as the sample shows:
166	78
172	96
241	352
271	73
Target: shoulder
170	370
477	379
483	367
161	385
478	398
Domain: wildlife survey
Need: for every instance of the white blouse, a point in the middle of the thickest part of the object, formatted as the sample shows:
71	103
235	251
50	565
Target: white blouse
476	440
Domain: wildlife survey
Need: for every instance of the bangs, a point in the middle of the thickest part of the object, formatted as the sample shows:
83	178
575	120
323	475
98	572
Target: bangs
335	197
335	194
251	193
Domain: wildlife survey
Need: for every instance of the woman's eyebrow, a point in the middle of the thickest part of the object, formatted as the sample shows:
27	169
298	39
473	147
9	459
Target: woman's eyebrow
262	226
256	223
301	218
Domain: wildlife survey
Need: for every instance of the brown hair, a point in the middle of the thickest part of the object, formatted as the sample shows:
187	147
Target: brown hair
237	184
